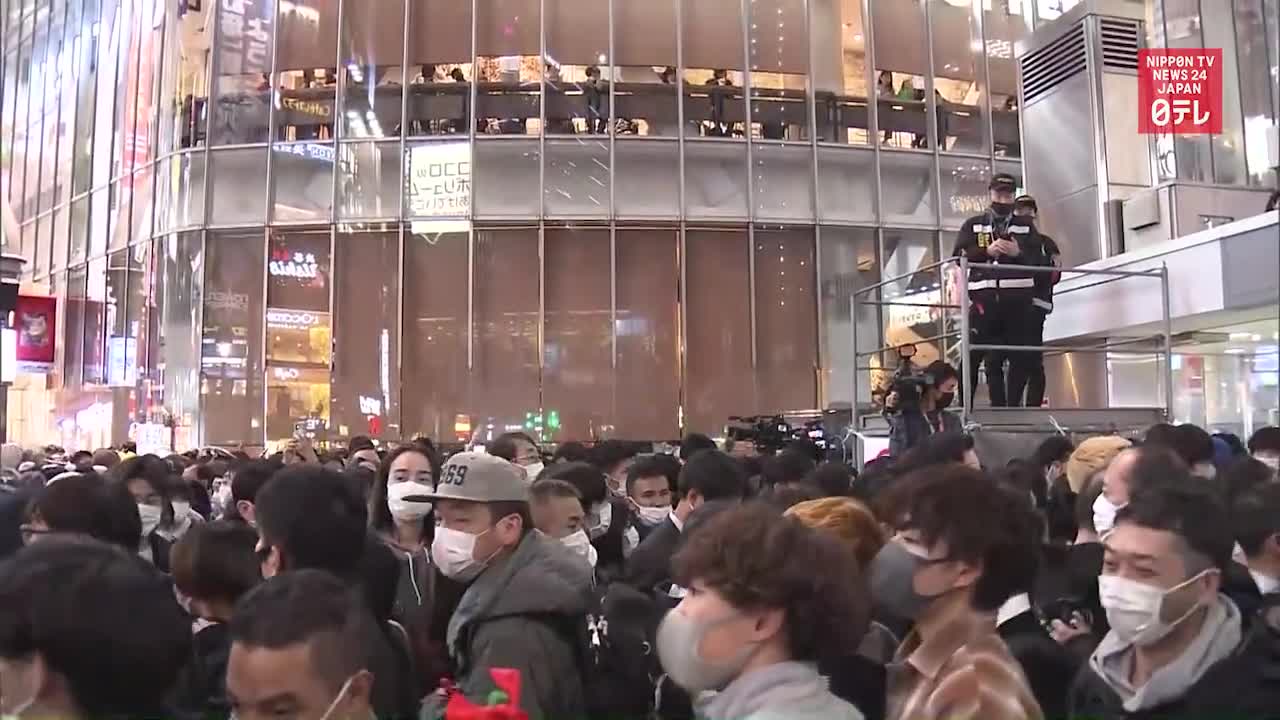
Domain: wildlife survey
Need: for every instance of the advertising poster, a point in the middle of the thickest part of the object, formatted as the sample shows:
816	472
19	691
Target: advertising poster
34	321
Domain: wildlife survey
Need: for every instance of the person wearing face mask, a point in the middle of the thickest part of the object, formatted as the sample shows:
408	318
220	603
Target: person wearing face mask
184	515
147	478
1024	206
910	425
1001	310
746	639
518	448
606	518
87	633
961	547
1264	446
246	480
1255	515
522	588
613	458
299	648
1175	649
651	482
556	507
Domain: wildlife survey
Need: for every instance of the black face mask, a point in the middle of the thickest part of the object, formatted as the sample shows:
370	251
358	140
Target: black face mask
1002	209
944	400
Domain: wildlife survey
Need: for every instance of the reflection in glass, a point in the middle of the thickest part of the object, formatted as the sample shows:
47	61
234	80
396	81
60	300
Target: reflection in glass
577	68
846	185
906	189
786	323
504	381
239	186
964	189
577	376
434	373
1003	26
905	251
902	62
643	186
366	380
440	72
783	181
242	86
231	372
713	76
959	82
506	179
138	313
715	182
368	180
181	268
779	62
509	67
848	261
644	80
718	377
1258	92
303	177
121	355
306	80
576	179
72	329
647	382
184	95
371	53
839	70
299	335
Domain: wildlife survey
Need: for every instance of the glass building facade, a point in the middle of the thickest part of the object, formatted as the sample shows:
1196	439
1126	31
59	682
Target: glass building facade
391	217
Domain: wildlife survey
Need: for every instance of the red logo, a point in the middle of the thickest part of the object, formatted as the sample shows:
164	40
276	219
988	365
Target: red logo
1180	91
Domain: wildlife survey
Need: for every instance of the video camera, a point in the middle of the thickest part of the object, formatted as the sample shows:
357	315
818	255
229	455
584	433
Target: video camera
772	433
908	381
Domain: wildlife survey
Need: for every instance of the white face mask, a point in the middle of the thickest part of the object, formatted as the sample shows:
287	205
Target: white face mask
1205	470
650	516
150	516
1104	515
599	519
1271	461
580	545
222	497
453	551
181	510
532	471
402	508
1134	608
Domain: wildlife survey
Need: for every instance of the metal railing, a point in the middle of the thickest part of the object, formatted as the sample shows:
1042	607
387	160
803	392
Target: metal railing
965	345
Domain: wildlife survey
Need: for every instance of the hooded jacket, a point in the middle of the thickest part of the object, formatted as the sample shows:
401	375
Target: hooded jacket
510	617
783	691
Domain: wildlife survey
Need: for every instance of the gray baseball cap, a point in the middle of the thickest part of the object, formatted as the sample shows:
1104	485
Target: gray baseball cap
478	477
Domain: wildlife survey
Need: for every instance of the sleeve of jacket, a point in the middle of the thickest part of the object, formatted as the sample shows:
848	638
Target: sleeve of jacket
967	244
529	647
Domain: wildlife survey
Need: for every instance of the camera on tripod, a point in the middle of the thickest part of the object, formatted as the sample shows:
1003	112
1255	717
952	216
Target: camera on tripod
769	433
909	381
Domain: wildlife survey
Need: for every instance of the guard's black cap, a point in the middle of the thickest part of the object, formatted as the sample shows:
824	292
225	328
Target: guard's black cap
1025	201
1003	181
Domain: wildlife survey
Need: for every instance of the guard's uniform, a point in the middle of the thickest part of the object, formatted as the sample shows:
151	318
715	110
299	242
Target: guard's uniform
1042	302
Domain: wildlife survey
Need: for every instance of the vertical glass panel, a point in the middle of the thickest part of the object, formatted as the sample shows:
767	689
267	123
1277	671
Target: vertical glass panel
964	189
506	175
902	62
369	180
143	184
303	176
105	152
146	131
508	55
50	128
372	52
438	183
959	82
848	261
647	394
242	86
40	258
715	180
79	230
95	318
231	372
17	122
8	90
84	56
182	267
577	373
1004	24
718	377
366	325
1258	91
68	69
151	381
713	75
188	186
126	88
779	60
577	67
239	186
906	189
139	288
644	43
786	307
440	72
1177	24
839	70
643	186
577	178
299	335
120	211
100	219
72	330
505	380
906	251
1229	149
61	236
184	85
434	372
121	355
783	181
846	185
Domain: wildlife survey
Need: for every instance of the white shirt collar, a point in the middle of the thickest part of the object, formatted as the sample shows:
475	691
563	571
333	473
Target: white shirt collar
675	520
1012	608
1266	584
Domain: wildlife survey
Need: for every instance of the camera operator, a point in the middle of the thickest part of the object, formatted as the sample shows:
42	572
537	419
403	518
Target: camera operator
916	410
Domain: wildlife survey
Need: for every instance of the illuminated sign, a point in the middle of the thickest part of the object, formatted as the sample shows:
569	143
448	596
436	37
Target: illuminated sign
370	406
226	300
295	319
439	180
312	151
280	373
298	265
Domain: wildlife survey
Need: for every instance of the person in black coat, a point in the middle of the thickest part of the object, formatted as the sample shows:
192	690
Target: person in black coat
1048	666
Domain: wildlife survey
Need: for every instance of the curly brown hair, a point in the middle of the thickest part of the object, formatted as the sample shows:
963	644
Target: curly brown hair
757	559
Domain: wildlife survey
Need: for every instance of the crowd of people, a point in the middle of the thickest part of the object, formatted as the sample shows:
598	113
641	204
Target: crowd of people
1110	578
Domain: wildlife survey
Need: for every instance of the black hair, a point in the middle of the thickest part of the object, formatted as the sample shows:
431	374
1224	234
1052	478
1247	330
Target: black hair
781	497
658	465
980	522
503	508
1055	448
714	475
1024	477
81	456
1255	516
1188	508
1244	475
250	477
608	454
379	514
156	473
315	518
693	443
312	608
832	479
548	488
1084	505
587	478
939	449
88	505
1266	439
504	446
1193	444
1161	434
786	467
940	371
358	443
572	451
100	619
1155	464
215	562
1060	511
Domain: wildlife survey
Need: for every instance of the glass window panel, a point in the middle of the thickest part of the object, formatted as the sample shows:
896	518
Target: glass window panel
964	189
713	75
901	67
643	186
8	91
239	186
577	375
506	177
644	45
84	57
178	359
306	79
73	329
151	380
40	258
1177	24
504	383
18	120
846	184
68	69
906	251
839	70
369	180
127	88
299	335
366	382
95	319
848	261
647	394
138	313
1258	91
49	128
440	72
372	53
1004	24
906	189
438	184
303	177
149	68
509	69
120	212
242	85
143	182
783	181
79	230
120	369
1219	30
779	60
576	179
110	36
577	67
786	307
959	82
231	372
100	219
60	236
187	186
715	180
184	86
719	380
434	373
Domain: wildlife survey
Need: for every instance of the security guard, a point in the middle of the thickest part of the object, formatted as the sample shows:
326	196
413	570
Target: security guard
1001	309
1024	206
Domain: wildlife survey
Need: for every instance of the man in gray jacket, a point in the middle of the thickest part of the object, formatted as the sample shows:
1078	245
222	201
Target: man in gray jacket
526	593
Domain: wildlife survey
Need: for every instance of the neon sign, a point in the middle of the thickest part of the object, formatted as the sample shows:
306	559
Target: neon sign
298	265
